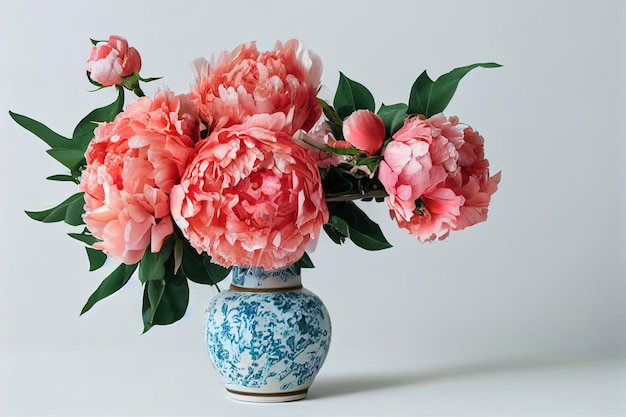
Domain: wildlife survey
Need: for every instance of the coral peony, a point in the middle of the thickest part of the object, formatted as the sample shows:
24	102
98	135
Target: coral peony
132	165
109	62
365	131
472	180
251	197
415	164
245	82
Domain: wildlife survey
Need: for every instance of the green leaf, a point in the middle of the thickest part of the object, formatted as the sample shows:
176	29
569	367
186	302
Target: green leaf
85	236
83	133
53	139
147	80
111	284
96	257
352	96
430	97
71	158
199	268
62	178
165	301
393	117
340	151
152	266
305	261
215	272
362	230
152	294
334	121
333	234
66	211
340	225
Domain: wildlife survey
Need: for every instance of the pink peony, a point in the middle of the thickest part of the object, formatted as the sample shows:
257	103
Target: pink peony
415	164
472	180
365	131
251	197
132	165
109	62
245	82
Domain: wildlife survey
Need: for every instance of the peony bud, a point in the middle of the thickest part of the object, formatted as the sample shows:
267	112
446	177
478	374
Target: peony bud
365	131
109	62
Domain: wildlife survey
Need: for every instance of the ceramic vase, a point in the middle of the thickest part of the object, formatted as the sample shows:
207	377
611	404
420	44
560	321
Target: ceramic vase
267	336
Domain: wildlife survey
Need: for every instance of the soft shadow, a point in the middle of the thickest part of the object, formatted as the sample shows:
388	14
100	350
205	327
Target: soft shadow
332	386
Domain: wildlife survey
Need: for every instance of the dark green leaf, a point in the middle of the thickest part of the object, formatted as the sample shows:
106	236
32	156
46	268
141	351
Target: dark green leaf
74	213
340	225
393	117
199	268
53	139
362	230
96	257
352	96
429	98
62	178
116	280
333	234
215	273
71	158
305	261
147	80
165	301
334	121
67	210
152	266
83	133
152	294
85	236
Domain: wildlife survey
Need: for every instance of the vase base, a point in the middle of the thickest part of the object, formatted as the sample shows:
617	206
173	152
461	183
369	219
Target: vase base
267	397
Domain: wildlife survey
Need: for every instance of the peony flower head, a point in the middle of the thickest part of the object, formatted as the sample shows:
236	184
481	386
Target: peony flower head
245	82
251	196
415	164
113	60
132	165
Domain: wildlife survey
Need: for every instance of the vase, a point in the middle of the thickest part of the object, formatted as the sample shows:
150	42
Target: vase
267	336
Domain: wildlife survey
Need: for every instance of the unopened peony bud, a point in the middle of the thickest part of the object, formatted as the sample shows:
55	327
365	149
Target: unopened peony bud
365	131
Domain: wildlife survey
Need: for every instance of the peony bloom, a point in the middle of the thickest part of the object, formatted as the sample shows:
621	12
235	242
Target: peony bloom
245	82
251	197
415	165
365	131
109	62
472	180
132	165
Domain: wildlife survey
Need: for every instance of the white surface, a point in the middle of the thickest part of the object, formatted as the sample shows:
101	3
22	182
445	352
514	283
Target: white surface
543	281
133	385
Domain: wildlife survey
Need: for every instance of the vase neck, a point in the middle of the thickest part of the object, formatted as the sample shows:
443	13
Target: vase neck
258	279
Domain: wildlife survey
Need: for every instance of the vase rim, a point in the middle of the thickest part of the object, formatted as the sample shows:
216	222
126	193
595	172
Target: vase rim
257	278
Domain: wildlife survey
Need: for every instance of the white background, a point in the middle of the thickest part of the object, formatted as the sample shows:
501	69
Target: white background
494	321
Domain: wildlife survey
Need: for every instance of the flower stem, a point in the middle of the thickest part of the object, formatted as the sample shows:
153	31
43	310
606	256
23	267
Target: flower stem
351	197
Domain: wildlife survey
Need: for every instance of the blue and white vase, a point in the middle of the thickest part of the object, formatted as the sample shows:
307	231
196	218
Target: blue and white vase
267	336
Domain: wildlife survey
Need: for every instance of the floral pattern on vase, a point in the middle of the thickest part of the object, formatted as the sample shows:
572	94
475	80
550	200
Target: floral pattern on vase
269	345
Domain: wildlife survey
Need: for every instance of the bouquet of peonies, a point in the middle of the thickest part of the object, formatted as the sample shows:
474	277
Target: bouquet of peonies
249	166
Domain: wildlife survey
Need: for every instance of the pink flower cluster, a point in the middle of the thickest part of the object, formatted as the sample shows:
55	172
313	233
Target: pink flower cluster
245	193
436	176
